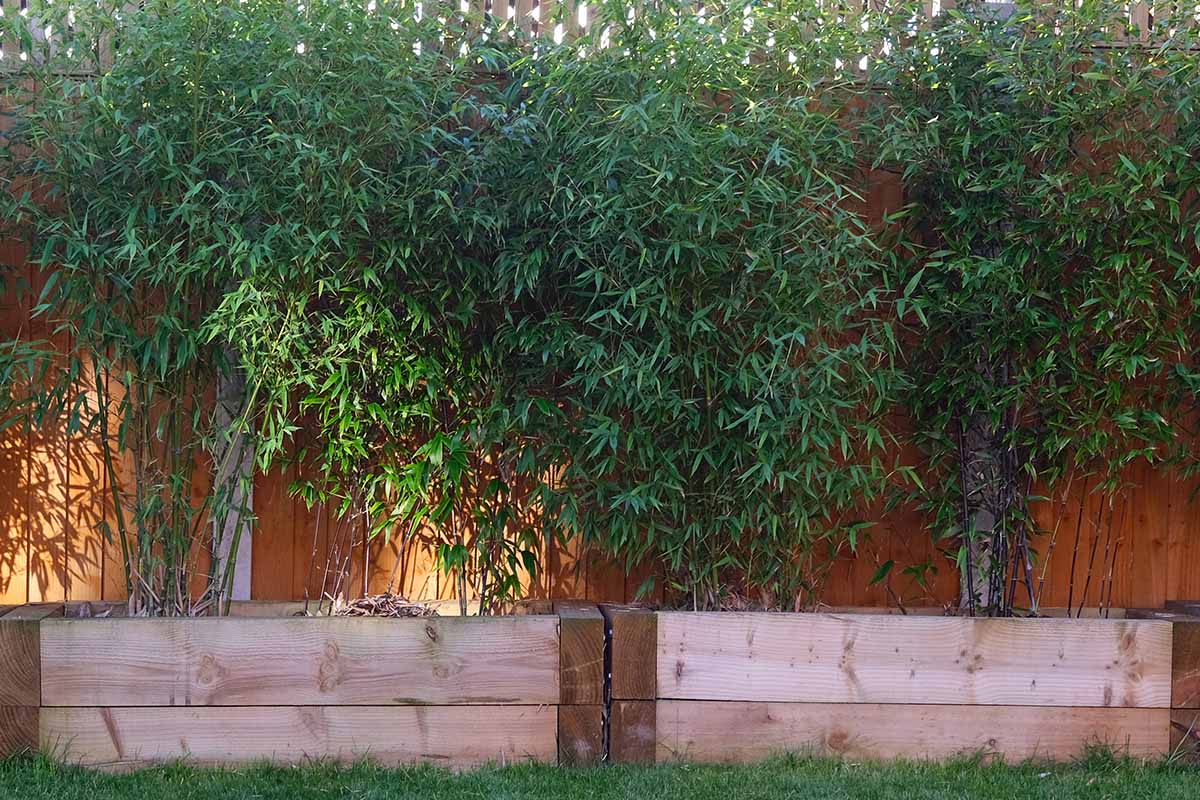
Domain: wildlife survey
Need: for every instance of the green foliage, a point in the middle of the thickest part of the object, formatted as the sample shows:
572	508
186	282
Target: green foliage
121	183
615	296
617	289
691	240
1050	293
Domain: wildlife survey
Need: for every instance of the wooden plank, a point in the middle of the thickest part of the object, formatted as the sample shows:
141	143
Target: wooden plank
605	577
1140	535
84	609
632	732
1091	612
267	609
20	663
634	634
1185	732
448	735
49	471
565	573
300	661
860	659
273	544
1161	614
581	653
525	608
746	731
1185	665
1053	612
580	735
18	729
451	607
916	611
35	611
310	542
1191	607
85	510
1183	551
115	587
14	440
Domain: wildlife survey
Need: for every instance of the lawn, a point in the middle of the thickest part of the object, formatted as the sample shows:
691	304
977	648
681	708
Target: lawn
813	779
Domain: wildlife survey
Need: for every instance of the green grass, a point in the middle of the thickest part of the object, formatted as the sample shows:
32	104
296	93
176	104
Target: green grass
1099	777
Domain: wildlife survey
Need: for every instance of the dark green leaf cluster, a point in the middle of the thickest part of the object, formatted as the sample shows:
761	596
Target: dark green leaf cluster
1049	293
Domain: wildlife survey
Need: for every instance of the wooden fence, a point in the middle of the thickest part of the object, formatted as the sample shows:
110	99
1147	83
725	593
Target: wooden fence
574	686
53	496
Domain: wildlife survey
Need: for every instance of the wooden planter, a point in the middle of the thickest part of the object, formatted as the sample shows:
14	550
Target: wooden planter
574	687
741	687
116	693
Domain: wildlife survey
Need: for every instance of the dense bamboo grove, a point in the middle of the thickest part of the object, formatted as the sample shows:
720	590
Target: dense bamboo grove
506	281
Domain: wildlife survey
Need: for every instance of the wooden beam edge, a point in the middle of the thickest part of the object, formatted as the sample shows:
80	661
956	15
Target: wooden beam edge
581	631
635	646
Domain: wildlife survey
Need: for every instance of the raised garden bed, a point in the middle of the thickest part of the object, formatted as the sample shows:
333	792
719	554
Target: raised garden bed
574	687
745	686
460	691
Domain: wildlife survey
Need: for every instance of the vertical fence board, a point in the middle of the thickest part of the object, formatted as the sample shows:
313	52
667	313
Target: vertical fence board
274	540
15	503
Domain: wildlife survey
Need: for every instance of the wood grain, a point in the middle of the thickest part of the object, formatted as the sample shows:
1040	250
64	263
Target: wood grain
581	654
273	545
1185	733
48	471
632	732
448	735
300	661
1053	612
20	663
1163	614
863	659
580	735
741	731
268	609
634	641
18	729
35	611
1191	607
1185	665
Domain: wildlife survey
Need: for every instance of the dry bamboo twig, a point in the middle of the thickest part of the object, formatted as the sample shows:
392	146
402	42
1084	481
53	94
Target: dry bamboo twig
381	605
